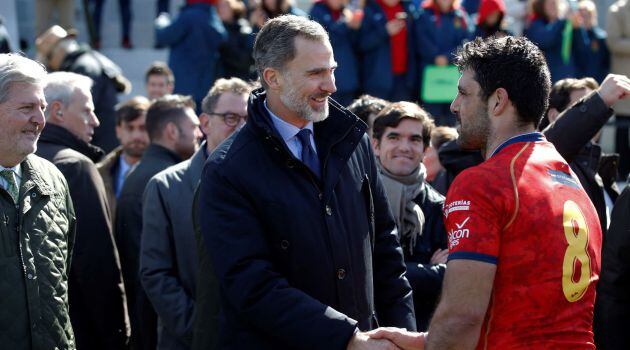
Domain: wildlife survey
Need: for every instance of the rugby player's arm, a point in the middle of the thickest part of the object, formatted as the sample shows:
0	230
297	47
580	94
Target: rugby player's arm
462	308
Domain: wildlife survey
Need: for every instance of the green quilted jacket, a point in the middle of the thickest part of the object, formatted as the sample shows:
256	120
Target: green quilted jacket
36	238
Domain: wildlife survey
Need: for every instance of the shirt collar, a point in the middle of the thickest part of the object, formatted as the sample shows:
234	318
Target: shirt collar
17	170
286	130
124	166
527	137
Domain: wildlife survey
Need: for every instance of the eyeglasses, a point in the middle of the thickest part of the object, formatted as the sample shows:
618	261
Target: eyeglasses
231	119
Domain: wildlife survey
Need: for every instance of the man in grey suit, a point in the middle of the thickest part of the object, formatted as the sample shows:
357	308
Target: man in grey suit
168	263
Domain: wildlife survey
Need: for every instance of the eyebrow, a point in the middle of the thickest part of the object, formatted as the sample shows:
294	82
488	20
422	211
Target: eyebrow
321	69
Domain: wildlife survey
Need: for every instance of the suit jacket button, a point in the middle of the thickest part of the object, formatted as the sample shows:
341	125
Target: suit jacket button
341	274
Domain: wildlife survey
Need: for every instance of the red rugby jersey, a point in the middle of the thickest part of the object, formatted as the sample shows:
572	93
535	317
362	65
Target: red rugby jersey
525	211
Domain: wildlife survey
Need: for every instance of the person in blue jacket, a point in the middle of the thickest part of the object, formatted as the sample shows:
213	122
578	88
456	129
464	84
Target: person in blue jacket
548	30
388	64
442	27
194	38
342	26
595	62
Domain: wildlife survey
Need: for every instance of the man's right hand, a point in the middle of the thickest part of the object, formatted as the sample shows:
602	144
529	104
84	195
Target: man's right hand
614	88
361	341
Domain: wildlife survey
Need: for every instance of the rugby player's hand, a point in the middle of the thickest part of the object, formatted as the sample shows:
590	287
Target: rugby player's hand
614	88
404	339
361	341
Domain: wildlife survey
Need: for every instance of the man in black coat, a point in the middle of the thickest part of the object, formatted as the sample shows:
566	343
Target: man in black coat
173	130
59	50
402	133
612	305
293	212
573	137
97	297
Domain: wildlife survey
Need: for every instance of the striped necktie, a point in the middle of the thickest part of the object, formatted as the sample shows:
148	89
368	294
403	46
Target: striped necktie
12	189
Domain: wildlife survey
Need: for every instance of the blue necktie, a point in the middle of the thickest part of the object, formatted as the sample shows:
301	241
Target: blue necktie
308	154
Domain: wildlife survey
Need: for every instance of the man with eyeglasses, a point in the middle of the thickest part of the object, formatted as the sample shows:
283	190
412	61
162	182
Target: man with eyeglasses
168	263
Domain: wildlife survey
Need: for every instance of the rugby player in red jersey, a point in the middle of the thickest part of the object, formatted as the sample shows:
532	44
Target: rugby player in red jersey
524	238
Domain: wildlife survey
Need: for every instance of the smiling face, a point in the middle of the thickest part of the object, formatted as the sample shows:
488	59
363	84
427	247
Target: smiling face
158	86
401	148
472	113
22	119
308	80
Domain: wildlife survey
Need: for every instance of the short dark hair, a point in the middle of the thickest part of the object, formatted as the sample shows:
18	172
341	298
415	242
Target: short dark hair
560	95
131	109
514	64
395	112
164	110
367	105
159	68
441	135
221	86
275	43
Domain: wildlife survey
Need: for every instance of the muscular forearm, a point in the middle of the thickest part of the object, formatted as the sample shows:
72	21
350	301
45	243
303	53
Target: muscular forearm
453	332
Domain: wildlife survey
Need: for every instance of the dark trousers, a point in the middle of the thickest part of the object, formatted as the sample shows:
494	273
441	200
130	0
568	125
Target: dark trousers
125	16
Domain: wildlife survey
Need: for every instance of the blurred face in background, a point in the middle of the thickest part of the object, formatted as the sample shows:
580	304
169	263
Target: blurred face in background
224	10
133	137
335	4
445	5
551	9
158	86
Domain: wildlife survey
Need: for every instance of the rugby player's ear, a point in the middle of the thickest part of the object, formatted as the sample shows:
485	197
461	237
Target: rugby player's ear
499	101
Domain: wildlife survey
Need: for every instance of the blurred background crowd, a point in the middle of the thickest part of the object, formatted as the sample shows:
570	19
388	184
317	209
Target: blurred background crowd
391	49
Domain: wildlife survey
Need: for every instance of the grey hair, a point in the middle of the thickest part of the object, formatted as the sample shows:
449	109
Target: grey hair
18	69
275	43
60	86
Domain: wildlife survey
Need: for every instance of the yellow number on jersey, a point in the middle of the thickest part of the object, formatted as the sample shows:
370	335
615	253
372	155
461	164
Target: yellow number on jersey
576	233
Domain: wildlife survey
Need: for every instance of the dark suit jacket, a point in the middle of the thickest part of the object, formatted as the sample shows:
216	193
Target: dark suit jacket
301	262
128	231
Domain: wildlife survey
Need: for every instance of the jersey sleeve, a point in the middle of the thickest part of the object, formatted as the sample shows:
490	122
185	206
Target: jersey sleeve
473	218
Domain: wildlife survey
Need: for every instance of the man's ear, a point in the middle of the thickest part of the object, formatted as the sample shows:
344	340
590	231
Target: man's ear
55	112
273	78
498	102
204	123
376	146
170	132
552	115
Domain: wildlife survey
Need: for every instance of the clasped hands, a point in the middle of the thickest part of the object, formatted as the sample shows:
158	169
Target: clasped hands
387	338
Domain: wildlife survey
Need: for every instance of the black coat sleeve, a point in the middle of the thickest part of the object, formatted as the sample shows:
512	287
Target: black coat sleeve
98	296
261	297
612	306
577	125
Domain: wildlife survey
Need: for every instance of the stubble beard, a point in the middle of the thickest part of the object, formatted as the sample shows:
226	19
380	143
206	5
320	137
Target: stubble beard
291	99
474	134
